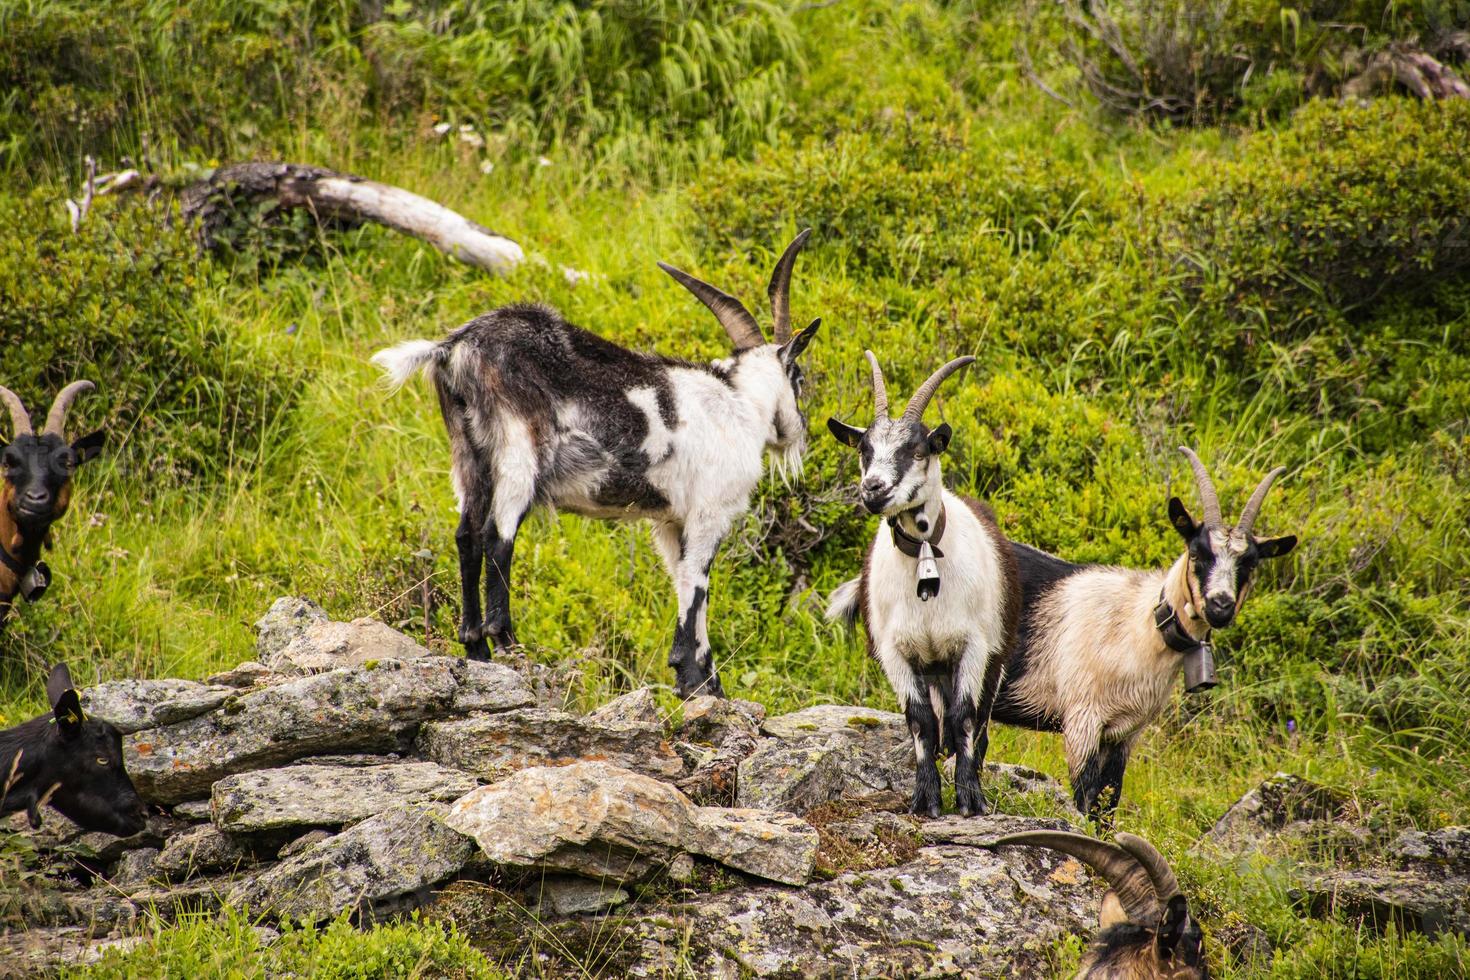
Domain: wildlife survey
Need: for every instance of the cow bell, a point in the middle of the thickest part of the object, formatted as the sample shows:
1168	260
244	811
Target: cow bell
34	583
928	572
1199	669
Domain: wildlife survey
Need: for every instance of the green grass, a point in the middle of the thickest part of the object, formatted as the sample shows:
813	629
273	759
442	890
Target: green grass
253	451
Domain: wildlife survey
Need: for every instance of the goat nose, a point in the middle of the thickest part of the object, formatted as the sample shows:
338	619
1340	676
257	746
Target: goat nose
36	498
1219	610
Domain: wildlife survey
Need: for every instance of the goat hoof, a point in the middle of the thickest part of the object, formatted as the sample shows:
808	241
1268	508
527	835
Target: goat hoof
477	649
971	803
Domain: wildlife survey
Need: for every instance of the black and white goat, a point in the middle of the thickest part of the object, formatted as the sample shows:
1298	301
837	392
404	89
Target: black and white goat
35	490
939	621
540	411
70	761
1145	931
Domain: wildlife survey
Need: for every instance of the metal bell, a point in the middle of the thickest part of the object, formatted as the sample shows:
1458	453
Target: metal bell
1199	669
35	582
928	572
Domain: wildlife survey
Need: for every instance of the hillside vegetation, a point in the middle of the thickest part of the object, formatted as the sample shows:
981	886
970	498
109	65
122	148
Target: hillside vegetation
1275	277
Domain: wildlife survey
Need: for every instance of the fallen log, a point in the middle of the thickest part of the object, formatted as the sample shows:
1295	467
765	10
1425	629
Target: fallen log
345	199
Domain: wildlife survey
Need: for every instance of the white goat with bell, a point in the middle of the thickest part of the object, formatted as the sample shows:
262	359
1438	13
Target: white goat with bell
938	593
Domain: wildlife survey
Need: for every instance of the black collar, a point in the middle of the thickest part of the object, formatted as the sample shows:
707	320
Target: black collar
909	545
1166	621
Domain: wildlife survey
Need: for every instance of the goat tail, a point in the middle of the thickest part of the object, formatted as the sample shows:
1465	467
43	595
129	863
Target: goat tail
401	362
842	605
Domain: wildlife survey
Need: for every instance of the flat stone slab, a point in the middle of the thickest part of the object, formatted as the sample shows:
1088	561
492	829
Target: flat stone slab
379	866
199	851
328	796
320	646
362	709
887	727
134	705
1380	896
490	746
951	911
598	820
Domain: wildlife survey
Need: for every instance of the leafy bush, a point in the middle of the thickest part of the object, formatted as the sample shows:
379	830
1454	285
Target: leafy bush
116	303
1192	62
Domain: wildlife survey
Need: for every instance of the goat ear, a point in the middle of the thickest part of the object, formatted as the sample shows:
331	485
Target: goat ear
793	347
845	434
1111	913
1175	920
89	447
1276	547
938	438
66	705
1179	517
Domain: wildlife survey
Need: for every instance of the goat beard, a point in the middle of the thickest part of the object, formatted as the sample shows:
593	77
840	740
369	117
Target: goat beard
787	462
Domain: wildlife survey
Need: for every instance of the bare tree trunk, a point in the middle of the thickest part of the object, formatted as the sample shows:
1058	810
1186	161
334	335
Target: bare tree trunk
350	200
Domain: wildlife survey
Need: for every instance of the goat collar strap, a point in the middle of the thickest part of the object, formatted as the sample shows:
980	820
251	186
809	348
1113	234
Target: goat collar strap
909	545
1166	621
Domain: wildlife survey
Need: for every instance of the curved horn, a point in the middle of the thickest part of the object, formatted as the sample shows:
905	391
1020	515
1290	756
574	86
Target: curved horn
780	287
1166	886
880	390
56	418
1253	505
732	314
1209	499
915	410
19	417
1123	872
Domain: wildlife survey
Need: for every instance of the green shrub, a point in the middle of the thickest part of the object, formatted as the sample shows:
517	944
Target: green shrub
180	395
230	946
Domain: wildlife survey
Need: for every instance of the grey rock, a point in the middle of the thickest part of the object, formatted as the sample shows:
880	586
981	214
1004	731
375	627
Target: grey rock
634	708
982	831
384	864
1380	896
1447	848
716	772
320	646
37	952
349	710
133	705
309	839
710	719
569	894
248	674
96	847
169	901
794	775
193	810
355	760
287	618
493	745
599	820
1281	815
882	727
950	911
135	867
201	851
328	796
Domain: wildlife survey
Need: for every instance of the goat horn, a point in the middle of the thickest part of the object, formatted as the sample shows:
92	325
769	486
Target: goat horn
1166	886
780	288
880	390
1253	505
732	314
56	418
1123	872
19	417
915	410
1209	499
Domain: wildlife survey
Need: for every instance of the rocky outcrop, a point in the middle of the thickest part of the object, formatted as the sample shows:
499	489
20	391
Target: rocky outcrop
598	820
383	864
328	796
493	745
132	706
360	709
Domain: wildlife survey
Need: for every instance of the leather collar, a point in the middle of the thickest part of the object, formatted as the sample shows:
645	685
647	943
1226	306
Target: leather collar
1166	621
909	545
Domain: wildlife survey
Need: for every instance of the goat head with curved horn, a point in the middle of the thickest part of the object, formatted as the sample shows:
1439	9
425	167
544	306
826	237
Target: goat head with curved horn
56	418
1145	929
20	419
745	333
1221	560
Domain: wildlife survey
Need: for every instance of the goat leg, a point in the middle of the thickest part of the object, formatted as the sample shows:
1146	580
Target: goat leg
691	655
471	623
924	727
971	742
